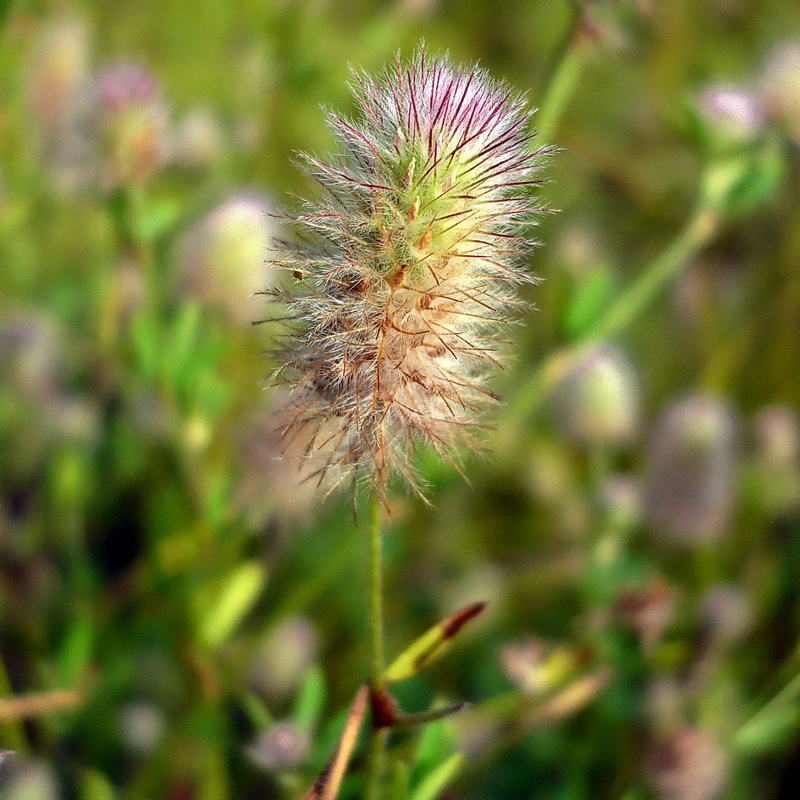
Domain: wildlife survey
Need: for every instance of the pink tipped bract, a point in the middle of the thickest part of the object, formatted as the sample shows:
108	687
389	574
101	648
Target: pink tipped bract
408	266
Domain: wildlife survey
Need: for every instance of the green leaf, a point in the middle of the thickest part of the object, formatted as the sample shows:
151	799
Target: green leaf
431	645
769	731
239	593
182	338
76	651
437	780
435	744
158	217
146	343
759	182
310	700
95	786
257	711
741	183
400	781
587	303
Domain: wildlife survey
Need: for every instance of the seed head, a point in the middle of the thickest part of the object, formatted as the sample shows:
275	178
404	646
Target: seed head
407	272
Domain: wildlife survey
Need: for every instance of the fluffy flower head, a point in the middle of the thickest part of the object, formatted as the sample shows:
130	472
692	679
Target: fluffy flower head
408	266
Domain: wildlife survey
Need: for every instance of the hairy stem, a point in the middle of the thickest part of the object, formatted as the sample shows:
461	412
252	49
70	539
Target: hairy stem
378	736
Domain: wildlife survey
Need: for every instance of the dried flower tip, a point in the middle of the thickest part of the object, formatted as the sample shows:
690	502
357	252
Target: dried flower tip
408	267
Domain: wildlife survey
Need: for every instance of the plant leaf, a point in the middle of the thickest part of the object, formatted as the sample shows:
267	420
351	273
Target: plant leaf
240	591
431	644
436	780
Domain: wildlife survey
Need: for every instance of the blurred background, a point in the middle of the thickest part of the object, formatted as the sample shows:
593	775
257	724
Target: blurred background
181	618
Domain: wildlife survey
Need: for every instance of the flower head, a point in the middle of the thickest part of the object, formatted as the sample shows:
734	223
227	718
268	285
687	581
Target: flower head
131	125
598	402
409	265
780	86
734	112
222	257
691	472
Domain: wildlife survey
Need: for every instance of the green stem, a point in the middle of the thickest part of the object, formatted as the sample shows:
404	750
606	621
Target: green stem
13	732
627	308
377	746
563	76
377	736
376	592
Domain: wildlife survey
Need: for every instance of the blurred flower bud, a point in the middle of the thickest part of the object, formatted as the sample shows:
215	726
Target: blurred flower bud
726	614
551	474
535	666
29	360
475	730
129	125
621	500
58	70
780	86
276	476
281	748
579	248
775	466
777	435
283	658
28	780
664	705
598	402
483	582
33	364
649	611
76	417
199	140
224	257
418	8
142	726
690	472
688	765
734	114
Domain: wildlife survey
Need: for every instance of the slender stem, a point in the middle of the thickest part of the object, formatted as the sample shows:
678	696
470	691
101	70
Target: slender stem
563	76
13	732
377	745
629	305
375	592
378	737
